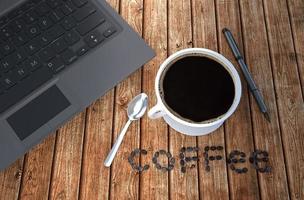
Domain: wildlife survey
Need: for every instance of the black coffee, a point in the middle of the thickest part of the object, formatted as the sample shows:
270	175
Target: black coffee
197	88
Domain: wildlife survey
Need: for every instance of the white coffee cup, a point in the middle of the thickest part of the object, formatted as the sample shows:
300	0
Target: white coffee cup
186	127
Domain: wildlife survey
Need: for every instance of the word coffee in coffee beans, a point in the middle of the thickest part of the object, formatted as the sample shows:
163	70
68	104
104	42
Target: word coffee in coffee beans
197	89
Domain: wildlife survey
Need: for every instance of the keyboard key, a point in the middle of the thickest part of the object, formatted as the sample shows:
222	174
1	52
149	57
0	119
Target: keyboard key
19	56
54	3
17	25
32	31
67	8
56	32
6	48
90	23
68	23
56	65
71	37
32	46
6	64
44	39
32	63
47	54
68	57
20	39
82	49
60	45
56	15
21	72
83	12
94	38
45	23
109	32
6	33
7	81
30	17
42	8
79	3
28	85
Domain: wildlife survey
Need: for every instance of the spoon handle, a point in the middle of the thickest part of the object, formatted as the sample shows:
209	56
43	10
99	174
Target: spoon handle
115	147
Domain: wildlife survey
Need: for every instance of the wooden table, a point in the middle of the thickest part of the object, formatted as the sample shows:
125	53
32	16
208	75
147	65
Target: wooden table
270	33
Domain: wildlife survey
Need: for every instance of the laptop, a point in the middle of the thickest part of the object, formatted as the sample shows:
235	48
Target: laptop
56	58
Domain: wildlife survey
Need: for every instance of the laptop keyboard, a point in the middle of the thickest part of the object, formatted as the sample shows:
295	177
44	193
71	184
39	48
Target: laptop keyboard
41	38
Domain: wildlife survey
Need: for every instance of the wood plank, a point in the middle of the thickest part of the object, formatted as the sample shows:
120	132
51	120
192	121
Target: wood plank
213	184
95	178
124	182
37	170
182	186
296	14
10	180
267	135
288	92
67	160
154	136
239	124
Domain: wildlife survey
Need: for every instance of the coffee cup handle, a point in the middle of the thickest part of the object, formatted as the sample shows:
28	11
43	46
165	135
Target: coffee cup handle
156	112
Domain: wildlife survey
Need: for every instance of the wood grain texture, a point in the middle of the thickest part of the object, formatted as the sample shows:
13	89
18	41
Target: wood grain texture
213	184
37	170
267	135
124	182
182	186
288	92
10	180
238	128
95	178
296	15
67	160
154	136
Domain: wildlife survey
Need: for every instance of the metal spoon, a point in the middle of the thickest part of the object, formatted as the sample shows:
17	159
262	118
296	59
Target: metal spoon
136	109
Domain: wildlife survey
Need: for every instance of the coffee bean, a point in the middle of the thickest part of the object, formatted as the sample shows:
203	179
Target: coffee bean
143	151
172	161
169	155
265	159
239	171
232	167
193	166
211	158
182	162
213	148
181	155
242	160
262	170
146	167
245	170
183	169
188	159
136	151
251	159
170	167
189	149
265	153
195	158
219	148
236	152
154	160
207	148
242	154
158	166
156	154
234	160
183	149
219	157
162	152
229	161
207	168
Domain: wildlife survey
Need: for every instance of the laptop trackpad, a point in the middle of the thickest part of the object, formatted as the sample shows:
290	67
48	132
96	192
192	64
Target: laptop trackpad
38	112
